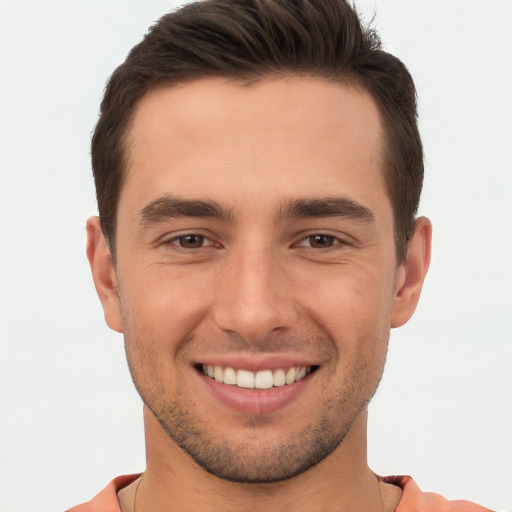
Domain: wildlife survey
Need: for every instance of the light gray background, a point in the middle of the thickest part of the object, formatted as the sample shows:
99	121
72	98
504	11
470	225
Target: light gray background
70	419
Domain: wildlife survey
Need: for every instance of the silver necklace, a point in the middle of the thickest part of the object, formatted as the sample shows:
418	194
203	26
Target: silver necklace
141	476
136	491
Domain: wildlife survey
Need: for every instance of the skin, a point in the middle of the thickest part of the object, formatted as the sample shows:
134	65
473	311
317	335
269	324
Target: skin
257	281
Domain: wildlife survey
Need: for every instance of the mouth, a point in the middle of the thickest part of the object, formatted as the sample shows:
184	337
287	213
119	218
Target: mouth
262	379
256	386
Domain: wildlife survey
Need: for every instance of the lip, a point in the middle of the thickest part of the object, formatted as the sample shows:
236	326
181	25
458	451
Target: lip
256	363
255	401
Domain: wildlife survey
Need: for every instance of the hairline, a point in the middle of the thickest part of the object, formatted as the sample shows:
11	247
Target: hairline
350	79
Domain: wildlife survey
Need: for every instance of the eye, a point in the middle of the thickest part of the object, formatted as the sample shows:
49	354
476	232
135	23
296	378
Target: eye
319	241
191	241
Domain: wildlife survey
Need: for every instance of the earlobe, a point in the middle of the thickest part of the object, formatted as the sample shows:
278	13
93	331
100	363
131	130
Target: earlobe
412	273
103	274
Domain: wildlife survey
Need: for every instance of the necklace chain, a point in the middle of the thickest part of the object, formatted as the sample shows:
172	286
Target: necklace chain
142	476
136	491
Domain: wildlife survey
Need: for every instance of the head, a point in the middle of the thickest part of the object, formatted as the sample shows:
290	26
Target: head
258	169
250	40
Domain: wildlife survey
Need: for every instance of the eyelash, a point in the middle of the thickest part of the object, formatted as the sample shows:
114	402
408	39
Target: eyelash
176	241
335	242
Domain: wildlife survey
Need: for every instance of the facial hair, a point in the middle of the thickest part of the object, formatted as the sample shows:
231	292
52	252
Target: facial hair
253	458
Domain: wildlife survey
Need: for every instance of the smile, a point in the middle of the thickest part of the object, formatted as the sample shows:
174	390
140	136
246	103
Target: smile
263	379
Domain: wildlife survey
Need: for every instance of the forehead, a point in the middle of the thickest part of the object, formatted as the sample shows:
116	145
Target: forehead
222	139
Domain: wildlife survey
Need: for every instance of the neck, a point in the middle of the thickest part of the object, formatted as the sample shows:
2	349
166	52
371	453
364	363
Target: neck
173	481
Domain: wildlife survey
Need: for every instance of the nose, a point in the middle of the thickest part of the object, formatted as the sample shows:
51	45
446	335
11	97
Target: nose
254	298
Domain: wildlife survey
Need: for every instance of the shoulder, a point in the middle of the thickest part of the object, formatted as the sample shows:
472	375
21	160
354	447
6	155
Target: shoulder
415	500
106	500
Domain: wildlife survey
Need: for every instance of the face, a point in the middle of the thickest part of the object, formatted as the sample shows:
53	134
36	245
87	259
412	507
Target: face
256	279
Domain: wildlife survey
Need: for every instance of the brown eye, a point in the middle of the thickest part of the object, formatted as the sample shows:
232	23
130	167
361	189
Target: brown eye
191	241
321	241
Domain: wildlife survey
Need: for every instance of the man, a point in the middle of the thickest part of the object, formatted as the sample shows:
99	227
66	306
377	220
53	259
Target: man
258	170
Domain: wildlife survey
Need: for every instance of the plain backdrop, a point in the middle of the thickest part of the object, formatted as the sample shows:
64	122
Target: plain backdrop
70	419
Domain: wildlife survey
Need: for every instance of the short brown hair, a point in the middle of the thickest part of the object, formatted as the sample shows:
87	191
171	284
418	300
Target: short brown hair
251	39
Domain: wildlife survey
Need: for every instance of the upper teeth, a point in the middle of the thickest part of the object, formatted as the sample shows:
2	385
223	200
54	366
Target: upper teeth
264	379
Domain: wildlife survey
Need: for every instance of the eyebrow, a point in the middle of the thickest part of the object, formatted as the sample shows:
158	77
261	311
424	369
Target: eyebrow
339	206
169	207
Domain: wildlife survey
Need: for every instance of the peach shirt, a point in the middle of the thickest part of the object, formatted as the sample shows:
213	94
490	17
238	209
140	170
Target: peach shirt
413	499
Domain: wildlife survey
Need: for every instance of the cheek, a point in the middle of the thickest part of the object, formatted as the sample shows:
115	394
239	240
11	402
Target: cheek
354	310
158	315
355	300
163	303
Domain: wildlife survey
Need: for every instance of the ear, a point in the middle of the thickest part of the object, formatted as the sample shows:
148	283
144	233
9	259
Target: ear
412	272
103	274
